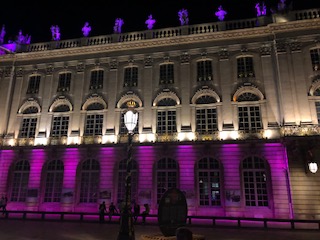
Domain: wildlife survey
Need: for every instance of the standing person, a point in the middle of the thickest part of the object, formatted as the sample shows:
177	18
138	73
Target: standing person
4	201
136	211
145	212
112	210
183	233
102	210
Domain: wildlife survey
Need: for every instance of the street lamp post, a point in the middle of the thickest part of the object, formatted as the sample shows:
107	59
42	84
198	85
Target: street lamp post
126	231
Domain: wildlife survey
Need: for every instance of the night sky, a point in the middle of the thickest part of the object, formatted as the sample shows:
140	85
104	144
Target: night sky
70	16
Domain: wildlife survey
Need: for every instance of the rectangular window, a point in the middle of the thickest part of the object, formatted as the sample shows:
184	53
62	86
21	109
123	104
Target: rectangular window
64	82
204	70
166	74
53	187
28	128
130	77
96	81
94	124
60	126
315	58
255	188
19	186
245	67
206	120
33	86
89	186
249	118
166	122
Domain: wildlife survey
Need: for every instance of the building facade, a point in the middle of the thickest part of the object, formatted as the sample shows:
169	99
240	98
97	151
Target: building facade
228	113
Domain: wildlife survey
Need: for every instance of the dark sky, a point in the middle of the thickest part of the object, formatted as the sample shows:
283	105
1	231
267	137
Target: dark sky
36	19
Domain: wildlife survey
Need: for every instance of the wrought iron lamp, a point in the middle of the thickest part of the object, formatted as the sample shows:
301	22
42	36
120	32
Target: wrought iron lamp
126	231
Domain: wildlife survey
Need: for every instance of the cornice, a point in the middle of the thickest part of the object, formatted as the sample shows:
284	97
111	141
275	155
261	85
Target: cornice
222	36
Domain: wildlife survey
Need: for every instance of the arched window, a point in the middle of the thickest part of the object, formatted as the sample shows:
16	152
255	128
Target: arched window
209	182
53	181
29	123
89	181
94	119
60	122
206	115
20	181
166	116
249	115
122	173
255	181
167	176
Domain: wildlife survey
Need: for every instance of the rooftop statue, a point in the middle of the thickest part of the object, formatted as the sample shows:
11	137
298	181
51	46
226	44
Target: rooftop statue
282	5
183	17
117	26
21	39
220	13
55	31
261	10
86	29
150	22
2	34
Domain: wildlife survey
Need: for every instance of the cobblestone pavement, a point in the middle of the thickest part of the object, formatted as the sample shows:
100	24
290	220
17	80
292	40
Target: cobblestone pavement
47	230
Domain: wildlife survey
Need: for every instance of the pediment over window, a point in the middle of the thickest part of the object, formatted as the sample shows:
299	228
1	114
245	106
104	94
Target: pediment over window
30	106
205	96
94	102
166	95
61	104
127	97
247	93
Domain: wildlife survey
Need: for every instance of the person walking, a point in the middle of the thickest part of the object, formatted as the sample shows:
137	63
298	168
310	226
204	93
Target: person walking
145	212
102	211
136	211
112	210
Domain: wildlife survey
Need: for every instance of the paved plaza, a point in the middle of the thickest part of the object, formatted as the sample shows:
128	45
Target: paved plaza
47	230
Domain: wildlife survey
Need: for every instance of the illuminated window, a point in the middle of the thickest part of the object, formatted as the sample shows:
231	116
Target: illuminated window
94	119
255	181
29	123
33	86
89	186
315	58
245	67
96	81
209	182
122	173
249	116
204	70
53	181
166	116
20	181
64	82
130	77
167	176
206	116
166	74
60	122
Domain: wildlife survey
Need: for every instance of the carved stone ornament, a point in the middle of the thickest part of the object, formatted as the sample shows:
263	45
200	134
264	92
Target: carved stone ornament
295	46
223	54
281	47
20	72
148	61
80	67
265	50
184	58
114	64
49	70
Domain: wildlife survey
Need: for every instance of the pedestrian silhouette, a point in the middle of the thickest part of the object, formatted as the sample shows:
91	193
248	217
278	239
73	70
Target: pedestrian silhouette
102	211
136	211
112	210
145	212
